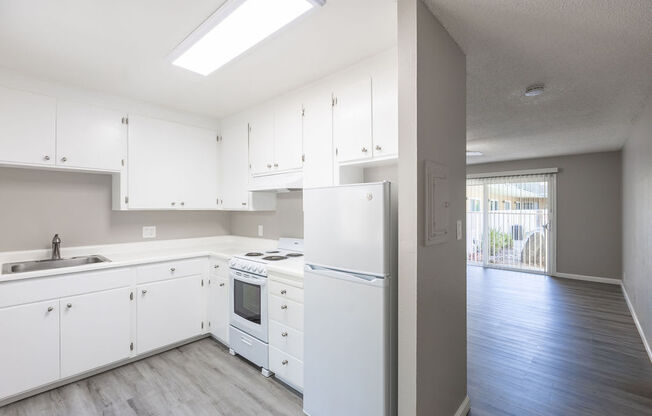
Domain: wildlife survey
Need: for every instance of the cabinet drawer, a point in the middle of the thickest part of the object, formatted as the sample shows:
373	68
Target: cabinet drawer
218	268
286	312
249	347
286	291
286	339
286	367
170	269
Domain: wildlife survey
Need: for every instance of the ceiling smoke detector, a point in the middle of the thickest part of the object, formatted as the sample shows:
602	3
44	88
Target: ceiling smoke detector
470	154
534	90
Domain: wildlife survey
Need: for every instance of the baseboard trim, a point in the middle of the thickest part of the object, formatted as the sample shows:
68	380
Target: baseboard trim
608	280
464	408
636	322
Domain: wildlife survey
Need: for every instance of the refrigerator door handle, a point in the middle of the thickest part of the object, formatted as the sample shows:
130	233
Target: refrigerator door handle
359	277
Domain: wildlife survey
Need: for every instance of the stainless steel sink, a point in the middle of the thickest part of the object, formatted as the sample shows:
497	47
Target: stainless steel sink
30	266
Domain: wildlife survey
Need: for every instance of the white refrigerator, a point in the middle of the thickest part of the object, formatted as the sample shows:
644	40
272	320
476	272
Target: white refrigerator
349	364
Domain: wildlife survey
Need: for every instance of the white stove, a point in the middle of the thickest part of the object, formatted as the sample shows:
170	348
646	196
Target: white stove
248	317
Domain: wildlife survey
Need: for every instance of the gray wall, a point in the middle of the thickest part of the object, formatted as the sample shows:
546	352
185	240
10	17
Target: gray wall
589	231
432	279
35	204
637	219
286	221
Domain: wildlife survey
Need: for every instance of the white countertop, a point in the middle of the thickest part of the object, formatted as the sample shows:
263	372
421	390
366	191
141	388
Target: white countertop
129	254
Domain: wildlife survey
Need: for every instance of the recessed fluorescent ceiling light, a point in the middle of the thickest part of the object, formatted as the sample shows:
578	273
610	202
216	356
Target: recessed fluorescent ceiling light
234	28
469	154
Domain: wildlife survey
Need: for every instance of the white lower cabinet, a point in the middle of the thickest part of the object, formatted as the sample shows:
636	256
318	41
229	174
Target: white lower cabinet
286	331
29	351
218	308
95	330
168	312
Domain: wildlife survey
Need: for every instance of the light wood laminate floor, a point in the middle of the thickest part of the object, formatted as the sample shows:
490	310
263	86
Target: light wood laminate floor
536	346
546	346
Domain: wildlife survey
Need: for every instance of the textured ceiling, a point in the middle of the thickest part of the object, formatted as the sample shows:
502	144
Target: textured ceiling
595	57
121	47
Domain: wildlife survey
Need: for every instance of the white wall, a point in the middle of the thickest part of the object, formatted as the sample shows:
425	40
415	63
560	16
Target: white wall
637	219
432	279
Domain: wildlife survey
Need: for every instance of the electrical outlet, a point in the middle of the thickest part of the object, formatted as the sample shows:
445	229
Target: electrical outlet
459	229
260	231
149	232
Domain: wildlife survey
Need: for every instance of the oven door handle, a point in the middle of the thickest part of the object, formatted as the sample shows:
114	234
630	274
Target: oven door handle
250	280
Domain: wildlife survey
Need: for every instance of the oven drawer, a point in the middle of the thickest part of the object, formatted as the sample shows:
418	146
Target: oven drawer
286	339
286	291
286	367
171	269
286	312
249	347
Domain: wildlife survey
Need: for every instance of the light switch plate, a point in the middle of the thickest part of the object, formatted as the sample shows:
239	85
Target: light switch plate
459	229
149	231
260	231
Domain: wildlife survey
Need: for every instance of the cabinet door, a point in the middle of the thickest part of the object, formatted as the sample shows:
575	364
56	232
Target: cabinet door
234	171
218	308
261	141
318	141
352	120
169	311
95	330
198	162
27	127
154	177
288	135
385	113
29	351
90	137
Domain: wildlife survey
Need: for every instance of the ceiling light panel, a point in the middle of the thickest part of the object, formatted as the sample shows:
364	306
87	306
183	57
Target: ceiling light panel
233	29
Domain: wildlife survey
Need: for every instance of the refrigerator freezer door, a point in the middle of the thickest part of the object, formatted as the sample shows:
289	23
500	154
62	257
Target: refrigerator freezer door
346	345
347	227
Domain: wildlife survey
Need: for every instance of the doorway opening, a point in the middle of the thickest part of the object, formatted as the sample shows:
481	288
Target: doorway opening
510	222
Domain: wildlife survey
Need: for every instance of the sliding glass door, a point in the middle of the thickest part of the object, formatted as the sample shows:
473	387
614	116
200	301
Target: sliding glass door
510	222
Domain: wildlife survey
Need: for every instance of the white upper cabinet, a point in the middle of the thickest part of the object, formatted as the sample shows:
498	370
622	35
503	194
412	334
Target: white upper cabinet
385	112
233	192
352	115
318	140
90	137
171	165
261	141
27	127
288	145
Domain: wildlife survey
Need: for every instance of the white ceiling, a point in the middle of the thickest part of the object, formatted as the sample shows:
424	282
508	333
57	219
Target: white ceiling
595	57
121	47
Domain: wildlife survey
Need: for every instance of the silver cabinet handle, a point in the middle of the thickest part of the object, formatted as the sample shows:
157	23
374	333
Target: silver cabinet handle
364	150
69	305
50	308
283	292
221	284
64	159
46	157
284	362
183	203
144	292
172	269
217	266
378	147
284	306
275	165
269	166
244	204
173	203
284	334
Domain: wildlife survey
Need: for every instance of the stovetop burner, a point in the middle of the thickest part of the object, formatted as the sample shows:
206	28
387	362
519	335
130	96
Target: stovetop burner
254	254
294	254
274	258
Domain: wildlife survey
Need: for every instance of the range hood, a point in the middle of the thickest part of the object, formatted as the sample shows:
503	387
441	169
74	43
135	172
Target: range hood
277	182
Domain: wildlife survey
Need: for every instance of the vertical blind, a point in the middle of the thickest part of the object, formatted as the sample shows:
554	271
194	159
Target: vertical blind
508	221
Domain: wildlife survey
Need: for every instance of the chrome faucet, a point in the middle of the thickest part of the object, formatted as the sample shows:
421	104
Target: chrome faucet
56	245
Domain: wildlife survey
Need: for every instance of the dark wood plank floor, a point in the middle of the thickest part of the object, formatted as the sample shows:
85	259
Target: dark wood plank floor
196	379
537	346
546	346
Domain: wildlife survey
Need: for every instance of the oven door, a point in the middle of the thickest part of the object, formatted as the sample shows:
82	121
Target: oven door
249	304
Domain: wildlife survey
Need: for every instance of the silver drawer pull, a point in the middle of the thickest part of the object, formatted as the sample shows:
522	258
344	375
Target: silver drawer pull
50	308
46	157
283	292
217	266
284	362
64	159
364	150
144	292
284	334
378	147
221	284
69	305
172	269
284	306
